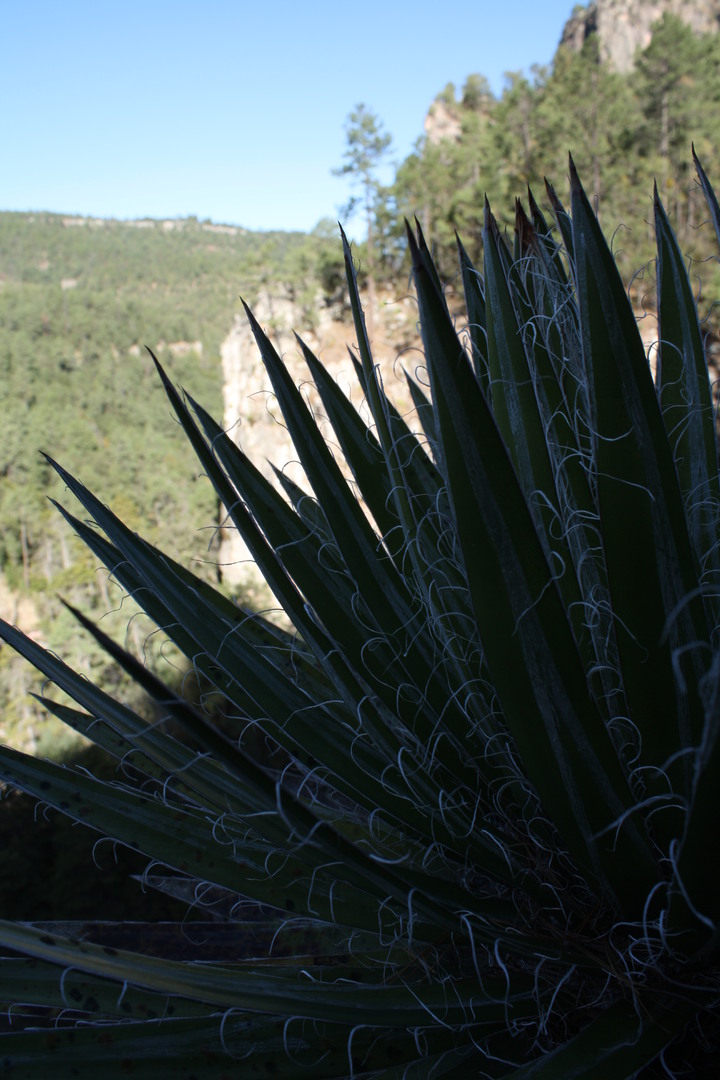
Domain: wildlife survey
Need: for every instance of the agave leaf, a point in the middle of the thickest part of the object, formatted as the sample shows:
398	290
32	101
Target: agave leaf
528	643
421	508
173	757
616	1043
39	983
709	194
360	447
171	599
525	400
543	289
563	219
301	712
352	532
423	408
216	850
234	987
376	399
473	288
258	800
473	833
273	680
314	566
696	904
185	1049
250	934
547	244
550	450
180	711
177	1049
332	608
294	530
421	475
232	469
305	506
106	738
452	1062
513	398
259	804
392	645
413	511
637	482
197	617
178	835
376	487
683	383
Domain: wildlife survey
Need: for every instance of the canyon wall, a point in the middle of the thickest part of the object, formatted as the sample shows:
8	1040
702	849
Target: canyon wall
624	26
251	414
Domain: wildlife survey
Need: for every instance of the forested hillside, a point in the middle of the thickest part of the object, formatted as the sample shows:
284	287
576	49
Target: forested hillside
624	131
79	300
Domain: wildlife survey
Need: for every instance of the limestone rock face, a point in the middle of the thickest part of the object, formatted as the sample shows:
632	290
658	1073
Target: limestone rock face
624	26
442	122
252	417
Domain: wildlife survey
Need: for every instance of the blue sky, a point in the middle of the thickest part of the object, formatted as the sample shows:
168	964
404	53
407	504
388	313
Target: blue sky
231	111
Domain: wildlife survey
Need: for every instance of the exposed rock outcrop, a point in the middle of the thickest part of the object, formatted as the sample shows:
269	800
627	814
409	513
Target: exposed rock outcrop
442	122
624	26
251	414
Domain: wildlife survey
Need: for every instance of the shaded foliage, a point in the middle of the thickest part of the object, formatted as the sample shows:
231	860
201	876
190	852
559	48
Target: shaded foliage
462	824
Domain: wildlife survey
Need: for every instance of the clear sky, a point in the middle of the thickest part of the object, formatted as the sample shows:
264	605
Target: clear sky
229	110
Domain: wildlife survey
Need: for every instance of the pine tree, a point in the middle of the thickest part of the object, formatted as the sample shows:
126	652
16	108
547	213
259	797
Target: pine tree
367	147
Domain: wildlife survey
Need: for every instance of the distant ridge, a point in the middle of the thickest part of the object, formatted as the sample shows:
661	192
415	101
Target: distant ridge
166	224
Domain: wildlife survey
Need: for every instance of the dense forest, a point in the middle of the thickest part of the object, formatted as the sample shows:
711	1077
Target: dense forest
624	132
79	299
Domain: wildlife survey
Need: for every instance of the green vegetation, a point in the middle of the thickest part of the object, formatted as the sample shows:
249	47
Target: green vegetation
367	145
461	821
624	131
79	300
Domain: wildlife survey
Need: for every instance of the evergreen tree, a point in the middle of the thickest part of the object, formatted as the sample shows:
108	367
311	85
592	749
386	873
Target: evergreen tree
367	147
517	131
596	127
666	76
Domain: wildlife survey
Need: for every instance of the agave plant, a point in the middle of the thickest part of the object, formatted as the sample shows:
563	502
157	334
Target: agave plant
461	820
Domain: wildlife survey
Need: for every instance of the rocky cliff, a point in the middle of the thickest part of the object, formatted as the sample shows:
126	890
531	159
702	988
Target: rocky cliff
252	416
624	26
442	122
